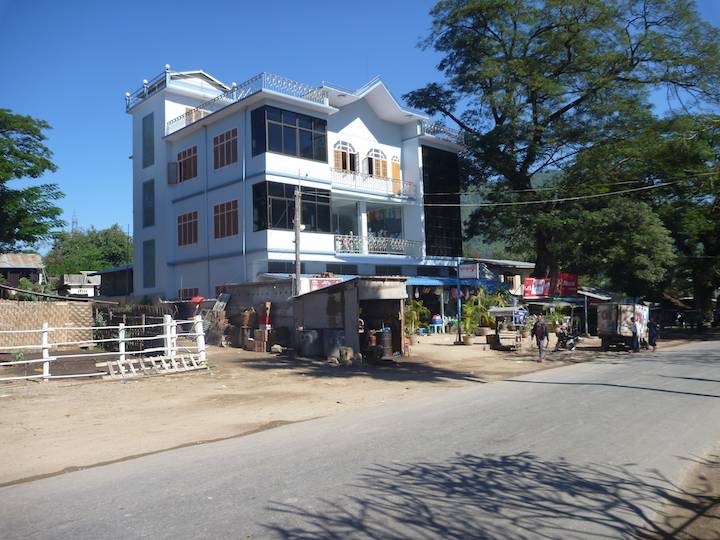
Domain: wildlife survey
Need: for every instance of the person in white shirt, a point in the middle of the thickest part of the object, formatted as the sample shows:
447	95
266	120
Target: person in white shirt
636	328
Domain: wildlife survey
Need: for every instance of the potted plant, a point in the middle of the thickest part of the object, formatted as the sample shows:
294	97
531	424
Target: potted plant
415	312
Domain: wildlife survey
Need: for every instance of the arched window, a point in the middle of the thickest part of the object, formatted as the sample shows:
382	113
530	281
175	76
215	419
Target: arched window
346	158
377	163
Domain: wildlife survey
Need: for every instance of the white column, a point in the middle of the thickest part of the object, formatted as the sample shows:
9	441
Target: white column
45	351
362	219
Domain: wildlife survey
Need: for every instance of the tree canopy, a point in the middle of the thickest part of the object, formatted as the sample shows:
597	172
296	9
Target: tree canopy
77	251
536	84
28	214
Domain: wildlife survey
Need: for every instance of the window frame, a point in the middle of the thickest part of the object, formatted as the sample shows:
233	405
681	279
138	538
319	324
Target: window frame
225	144
225	219
187	164
187	228
188	292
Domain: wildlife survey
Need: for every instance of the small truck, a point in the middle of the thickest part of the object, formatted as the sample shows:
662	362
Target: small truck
615	327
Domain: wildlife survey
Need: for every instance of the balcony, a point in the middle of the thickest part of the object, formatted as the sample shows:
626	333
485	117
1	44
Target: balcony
263	81
377	245
373	184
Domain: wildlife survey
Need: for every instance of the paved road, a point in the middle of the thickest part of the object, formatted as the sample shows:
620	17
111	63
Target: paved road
585	451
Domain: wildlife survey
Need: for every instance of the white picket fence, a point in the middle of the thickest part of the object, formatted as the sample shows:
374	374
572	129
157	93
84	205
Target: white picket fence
123	363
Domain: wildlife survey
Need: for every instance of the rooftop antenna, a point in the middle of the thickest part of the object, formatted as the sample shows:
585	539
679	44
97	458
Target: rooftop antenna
74	226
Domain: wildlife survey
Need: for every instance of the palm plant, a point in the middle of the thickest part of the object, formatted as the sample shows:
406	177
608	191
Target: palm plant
415	312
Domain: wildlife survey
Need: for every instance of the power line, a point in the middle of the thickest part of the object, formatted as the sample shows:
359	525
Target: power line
546	201
556	188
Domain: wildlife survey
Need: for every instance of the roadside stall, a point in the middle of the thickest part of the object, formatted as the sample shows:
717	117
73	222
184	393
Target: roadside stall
509	324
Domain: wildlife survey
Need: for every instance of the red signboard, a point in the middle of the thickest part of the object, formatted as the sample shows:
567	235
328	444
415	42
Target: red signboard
320	283
564	285
536	287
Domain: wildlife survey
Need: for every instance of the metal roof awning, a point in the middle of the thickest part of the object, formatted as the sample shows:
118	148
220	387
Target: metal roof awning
423	281
594	292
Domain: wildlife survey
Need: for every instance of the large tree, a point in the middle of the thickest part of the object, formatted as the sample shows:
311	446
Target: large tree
535	83
29	214
92	249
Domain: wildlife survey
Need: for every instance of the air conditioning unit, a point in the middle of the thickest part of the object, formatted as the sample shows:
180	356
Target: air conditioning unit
173	172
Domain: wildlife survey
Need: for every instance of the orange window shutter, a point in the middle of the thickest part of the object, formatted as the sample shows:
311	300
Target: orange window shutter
396	170
338	159
384	172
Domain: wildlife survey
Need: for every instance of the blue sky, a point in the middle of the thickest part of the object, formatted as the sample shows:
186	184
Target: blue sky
71	62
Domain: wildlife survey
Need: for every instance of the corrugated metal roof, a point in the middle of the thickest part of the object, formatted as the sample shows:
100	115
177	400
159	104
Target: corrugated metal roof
20	260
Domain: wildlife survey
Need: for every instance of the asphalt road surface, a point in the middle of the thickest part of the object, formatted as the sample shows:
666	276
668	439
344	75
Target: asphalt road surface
587	451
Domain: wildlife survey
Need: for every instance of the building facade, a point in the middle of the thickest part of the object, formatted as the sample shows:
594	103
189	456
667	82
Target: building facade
216	166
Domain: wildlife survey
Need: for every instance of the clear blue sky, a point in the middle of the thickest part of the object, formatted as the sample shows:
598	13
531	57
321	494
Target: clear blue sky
71	62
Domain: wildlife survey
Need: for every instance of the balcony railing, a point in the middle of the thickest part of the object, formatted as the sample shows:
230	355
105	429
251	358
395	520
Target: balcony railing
377	245
263	81
373	184
441	131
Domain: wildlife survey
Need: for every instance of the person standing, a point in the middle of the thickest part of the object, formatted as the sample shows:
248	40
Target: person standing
635	328
540	333
653	328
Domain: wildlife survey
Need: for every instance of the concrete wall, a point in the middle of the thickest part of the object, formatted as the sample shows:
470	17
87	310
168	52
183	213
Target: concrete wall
16	315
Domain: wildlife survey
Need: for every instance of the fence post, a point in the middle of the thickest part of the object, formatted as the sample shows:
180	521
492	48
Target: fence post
45	351
121	346
167	323
173	342
200	337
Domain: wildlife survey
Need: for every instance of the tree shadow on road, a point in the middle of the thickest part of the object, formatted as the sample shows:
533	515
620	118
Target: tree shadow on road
491	496
389	370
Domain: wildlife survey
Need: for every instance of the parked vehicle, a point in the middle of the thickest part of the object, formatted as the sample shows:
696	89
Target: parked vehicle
567	340
615	327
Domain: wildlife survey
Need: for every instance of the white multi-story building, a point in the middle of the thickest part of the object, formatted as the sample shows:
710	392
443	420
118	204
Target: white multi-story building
215	168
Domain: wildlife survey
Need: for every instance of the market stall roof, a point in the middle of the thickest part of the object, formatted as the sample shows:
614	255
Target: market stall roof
595	292
560	301
506	311
423	281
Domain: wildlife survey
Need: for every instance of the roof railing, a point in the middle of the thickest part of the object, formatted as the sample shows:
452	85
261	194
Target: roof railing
440	130
260	82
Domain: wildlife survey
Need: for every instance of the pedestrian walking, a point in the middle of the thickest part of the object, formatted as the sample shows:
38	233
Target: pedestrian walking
636	328
653	328
542	338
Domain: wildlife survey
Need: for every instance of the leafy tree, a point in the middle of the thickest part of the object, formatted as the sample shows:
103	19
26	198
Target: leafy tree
28	214
77	251
533	84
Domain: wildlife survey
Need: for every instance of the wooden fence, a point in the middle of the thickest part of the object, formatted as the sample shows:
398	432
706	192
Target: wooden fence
168	351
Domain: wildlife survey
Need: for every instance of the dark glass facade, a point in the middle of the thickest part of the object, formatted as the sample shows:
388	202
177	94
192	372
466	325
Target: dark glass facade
148	253
441	183
289	133
274	207
148	202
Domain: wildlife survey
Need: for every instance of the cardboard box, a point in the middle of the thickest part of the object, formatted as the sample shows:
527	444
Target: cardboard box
261	335
260	346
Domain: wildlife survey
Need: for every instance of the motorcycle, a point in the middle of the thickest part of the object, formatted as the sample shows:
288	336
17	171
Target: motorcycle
567	340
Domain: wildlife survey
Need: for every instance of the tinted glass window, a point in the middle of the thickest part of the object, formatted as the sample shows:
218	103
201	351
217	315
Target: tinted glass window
258	131
148	140
286	132
149	264
277	200
275	143
148	195
306	144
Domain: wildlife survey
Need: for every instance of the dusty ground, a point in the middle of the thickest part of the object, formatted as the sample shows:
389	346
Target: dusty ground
695	515
50	427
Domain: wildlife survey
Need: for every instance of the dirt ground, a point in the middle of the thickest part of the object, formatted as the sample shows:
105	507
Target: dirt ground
695	515
63	425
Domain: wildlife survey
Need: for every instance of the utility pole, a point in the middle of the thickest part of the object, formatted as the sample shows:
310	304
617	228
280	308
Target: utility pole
298	227
459	304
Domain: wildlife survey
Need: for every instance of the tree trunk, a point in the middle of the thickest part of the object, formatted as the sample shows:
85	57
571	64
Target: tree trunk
546	264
